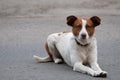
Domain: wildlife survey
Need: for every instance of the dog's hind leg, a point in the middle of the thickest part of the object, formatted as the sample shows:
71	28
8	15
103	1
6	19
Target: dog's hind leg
52	50
55	54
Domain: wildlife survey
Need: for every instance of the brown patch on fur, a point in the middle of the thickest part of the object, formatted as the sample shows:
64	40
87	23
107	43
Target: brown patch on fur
90	27
47	49
66	31
77	27
59	34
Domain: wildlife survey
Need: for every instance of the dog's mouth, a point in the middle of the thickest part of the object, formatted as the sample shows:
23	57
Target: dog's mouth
82	41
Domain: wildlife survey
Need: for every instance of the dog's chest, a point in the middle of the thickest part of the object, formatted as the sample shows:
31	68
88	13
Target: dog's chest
84	53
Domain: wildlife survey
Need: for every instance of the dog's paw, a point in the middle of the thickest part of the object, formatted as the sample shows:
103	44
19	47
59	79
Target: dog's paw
100	74
58	61
103	74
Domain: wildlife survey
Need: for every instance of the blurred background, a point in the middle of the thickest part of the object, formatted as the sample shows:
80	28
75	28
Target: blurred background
35	8
25	25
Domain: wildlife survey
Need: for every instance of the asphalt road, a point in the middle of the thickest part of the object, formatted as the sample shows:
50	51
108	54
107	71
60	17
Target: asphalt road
23	36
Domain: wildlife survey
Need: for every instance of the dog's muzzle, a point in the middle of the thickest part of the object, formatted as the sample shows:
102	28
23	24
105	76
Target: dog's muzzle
83	36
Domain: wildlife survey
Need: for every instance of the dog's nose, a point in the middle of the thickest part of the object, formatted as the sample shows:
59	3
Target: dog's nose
83	36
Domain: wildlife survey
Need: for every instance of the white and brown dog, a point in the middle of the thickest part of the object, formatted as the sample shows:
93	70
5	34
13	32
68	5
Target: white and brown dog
76	48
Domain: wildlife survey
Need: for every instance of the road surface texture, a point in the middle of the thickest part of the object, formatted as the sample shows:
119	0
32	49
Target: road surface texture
25	25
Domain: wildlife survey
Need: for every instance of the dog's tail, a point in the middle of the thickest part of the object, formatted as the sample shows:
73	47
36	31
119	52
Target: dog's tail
45	59
42	60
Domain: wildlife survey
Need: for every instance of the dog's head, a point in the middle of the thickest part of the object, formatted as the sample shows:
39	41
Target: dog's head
83	28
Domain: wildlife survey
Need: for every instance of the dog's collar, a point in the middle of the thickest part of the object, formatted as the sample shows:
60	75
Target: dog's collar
78	43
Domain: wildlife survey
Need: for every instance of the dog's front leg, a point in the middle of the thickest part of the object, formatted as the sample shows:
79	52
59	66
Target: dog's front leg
78	66
94	65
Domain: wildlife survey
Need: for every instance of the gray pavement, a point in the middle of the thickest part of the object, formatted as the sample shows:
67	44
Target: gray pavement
24	29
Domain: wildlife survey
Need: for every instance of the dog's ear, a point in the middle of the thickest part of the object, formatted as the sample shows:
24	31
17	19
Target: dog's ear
96	20
71	19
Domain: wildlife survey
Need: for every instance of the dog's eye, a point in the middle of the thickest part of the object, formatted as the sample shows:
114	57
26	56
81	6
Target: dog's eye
78	27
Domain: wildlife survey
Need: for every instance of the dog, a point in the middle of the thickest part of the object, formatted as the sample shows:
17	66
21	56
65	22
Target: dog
77	48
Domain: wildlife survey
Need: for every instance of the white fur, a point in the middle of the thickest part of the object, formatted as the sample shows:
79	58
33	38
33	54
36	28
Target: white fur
83	30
